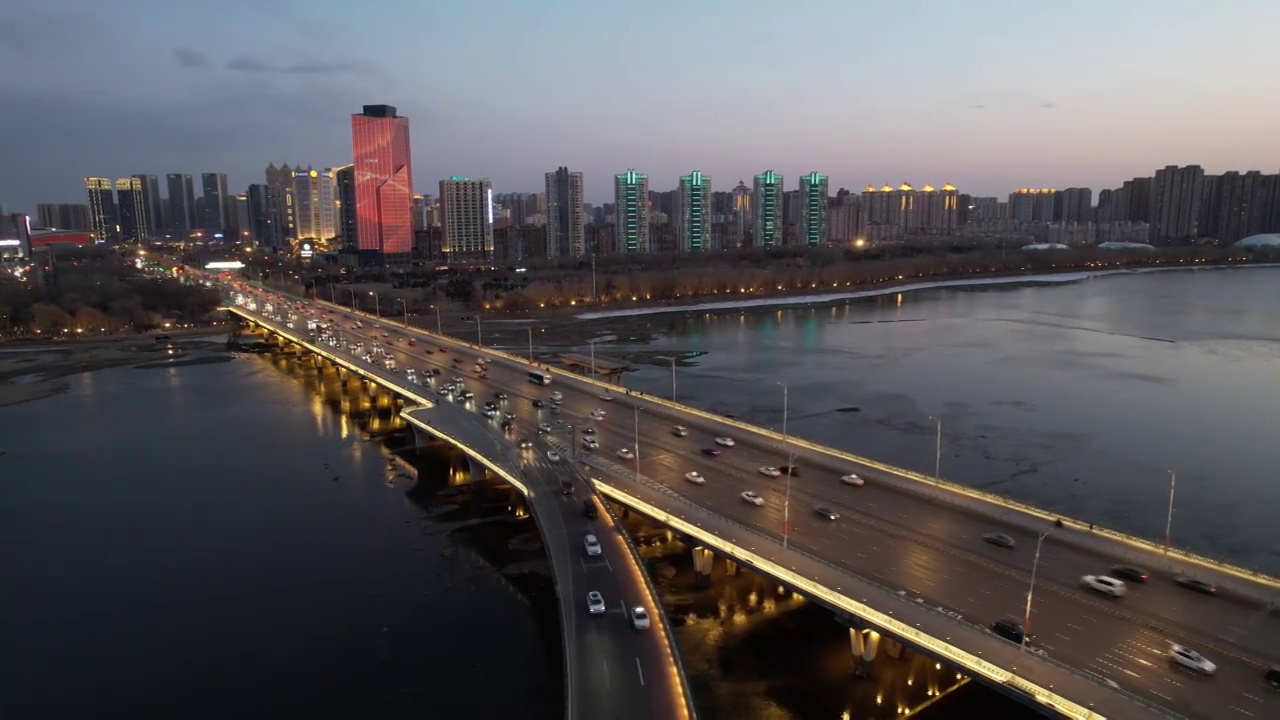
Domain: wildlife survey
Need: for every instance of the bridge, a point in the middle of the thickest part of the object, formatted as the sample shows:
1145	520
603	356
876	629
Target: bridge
598	366
905	563
611	669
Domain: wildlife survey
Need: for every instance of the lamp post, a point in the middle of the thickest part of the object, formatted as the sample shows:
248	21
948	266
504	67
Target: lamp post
672	358
404	304
1168	523
592	343
376	309
637	442
937	450
353	298
786	443
1031	591
332	294
479	335
312	284
530	329
439	331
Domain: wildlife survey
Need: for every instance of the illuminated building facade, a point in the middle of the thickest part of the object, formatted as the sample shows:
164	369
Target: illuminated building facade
180	206
281	178
813	209
631	211
345	177
741	213
131	206
566	223
216	203
466	207
766	207
315	204
104	221
384	180
693	212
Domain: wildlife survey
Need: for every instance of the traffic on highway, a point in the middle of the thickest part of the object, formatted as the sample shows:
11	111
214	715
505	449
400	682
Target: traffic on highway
1177	640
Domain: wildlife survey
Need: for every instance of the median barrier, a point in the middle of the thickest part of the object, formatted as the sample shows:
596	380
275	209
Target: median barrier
980	500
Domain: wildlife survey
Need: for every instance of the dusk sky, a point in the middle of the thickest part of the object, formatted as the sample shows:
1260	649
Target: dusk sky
988	95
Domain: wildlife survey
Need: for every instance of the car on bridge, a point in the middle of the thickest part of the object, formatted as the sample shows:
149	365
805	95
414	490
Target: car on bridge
626	454
595	603
753	498
826	512
711	452
680	431
606	397
1000	540
526	444
589	510
725	442
695	477
553	456
1185	657
556	396
591	544
639	618
544	427
851	479
590	443
1010	630
1196	584
770	471
1105	585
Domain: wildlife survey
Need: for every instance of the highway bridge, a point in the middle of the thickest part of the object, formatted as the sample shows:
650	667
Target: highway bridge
905	560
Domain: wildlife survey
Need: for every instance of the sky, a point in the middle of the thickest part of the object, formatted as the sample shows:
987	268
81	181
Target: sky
988	95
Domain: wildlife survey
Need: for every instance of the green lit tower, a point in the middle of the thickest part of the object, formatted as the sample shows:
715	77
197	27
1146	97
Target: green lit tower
766	208
694	212
631	193
813	209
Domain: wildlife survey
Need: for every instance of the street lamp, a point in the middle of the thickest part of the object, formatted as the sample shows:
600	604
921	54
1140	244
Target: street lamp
438	326
937	450
592	343
332	294
312	284
1168	523
479	335
786	443
376	310
672	358
1031	591
405	305
353	298
530	329
637	442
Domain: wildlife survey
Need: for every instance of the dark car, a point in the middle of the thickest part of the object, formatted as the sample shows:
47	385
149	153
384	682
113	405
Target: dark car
566	487
589	510
526	443
588	431
1000	540
1130	573
1196	584
1272	677
713	452
538	403
1009	630
827	513
500	395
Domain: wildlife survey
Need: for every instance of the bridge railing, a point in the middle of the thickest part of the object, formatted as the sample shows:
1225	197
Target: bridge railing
954	492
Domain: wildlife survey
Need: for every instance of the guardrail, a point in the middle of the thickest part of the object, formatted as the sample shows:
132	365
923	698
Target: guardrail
923	481
685	690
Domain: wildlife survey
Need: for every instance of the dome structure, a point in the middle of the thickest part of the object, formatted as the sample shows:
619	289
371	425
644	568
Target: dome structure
1264	240
1124	246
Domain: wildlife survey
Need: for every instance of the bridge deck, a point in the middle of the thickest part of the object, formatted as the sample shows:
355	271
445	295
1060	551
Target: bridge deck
603	366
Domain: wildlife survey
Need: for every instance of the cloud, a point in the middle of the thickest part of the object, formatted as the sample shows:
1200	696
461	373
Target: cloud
189	57
251	64
1009	99
1048	105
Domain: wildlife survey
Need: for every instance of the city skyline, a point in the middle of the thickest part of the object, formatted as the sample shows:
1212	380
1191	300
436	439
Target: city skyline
919	95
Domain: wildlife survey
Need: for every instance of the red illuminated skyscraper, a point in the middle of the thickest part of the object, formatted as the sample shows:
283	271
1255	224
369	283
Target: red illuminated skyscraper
384	182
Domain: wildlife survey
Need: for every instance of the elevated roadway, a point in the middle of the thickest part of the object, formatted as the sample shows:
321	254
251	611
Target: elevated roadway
924	540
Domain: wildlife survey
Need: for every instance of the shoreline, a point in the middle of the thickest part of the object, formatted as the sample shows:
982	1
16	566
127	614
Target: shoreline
1039	278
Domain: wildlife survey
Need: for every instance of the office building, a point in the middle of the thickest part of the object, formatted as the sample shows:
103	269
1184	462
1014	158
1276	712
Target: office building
631	213
466	207
566	221
813	209
345	179
693	215
766	206
742	215
316	204
217	203
152	205
15	237
131	206
63	216
104	221
265	217
180	213
384	180
1176	195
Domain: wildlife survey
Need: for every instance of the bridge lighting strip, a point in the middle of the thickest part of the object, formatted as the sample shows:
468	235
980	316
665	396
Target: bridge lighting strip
1136	542
475	454
949	652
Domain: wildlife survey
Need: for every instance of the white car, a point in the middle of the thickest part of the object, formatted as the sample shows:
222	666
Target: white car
544	427
489	412
753	498
626	454
639	618
770	471
1105	585
606	397
557	396
680	431
852	479
725	441
1191	660
595	603
599	411
695	478
592	545
553	456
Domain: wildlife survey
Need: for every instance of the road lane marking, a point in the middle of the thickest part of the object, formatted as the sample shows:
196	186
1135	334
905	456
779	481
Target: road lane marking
641	672
1241	710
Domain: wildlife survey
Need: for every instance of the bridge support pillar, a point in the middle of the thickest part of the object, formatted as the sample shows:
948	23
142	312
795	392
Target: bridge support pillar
864	644
476	470
703	560
892	648
730	568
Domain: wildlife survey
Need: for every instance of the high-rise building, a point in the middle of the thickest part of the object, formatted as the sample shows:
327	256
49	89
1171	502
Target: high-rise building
384	180
742	216
766	206
15	236
345	178
693	213
1073	205
631	193
813	209
934	211
281	178
180	212
217	202
316	202
1032	205
467	219
265	217
132	208
1176	194
104	221
1236	205
63	216
152	205
565	220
